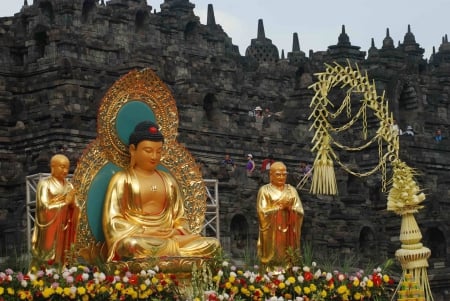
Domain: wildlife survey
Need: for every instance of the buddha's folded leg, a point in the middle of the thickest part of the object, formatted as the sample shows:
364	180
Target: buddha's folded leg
199	247
144	247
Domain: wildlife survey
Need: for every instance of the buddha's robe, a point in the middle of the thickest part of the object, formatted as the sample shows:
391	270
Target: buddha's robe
55	221
279	229
132	233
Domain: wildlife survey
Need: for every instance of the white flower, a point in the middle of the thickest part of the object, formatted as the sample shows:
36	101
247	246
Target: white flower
329	276
233	274
295	269
314	264
300	279
85	276
147	282
73	269
156	268
143	273
220	273
73	290
299	299
23	283
306	269
280	277
225	263
125	279
56	277
317	274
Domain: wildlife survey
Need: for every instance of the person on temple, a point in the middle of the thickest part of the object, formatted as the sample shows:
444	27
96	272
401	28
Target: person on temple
250	166
56	215
280	214
143	214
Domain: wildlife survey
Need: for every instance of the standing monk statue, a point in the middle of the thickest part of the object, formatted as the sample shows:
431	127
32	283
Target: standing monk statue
56	215
143	214
280	214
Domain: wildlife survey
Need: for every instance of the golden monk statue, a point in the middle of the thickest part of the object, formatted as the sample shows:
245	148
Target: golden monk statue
56	215
280	214
143	213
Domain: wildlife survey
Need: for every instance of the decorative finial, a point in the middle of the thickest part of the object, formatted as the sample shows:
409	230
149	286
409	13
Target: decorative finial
211	20
387	32
261	33
295	43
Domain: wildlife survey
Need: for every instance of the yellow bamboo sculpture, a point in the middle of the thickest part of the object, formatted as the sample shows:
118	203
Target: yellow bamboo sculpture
404	197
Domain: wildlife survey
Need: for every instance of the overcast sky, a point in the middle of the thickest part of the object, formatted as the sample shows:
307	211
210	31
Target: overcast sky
319	23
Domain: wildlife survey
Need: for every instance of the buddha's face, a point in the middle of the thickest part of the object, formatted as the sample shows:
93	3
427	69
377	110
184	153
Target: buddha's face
278	174
60	167
147	154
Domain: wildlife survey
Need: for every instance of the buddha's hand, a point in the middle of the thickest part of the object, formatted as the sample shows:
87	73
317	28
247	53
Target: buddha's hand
70	197
283	204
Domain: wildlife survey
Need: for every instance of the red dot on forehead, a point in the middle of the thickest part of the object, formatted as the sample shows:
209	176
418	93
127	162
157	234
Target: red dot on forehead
153	130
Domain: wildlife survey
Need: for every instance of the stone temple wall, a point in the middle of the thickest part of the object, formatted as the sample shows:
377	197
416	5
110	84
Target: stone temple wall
58	58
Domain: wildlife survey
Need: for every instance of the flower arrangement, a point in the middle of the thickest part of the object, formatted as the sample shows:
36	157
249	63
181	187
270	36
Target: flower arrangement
227	282
302	284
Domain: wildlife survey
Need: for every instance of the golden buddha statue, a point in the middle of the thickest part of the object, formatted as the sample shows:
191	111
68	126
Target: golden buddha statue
56	215
143	213
280	214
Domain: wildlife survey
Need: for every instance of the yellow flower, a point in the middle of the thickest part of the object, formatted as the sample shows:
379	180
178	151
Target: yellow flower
251	288
85	298
228	285
323	293
291	279
234	289
143	287
216	278
2	290
298	289
66	291
307	290
81	290
265	289
10	291
245	291
118	286
342	290
155	280
313	287
281	285
369	283
59	290
160	288
22	295
231	279
47	292
197	299
240	272
116	272
356	282
386	278
357	296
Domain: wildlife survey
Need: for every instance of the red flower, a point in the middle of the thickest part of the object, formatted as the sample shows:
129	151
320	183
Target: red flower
308	276
50	262
79	278
133	279
212	297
